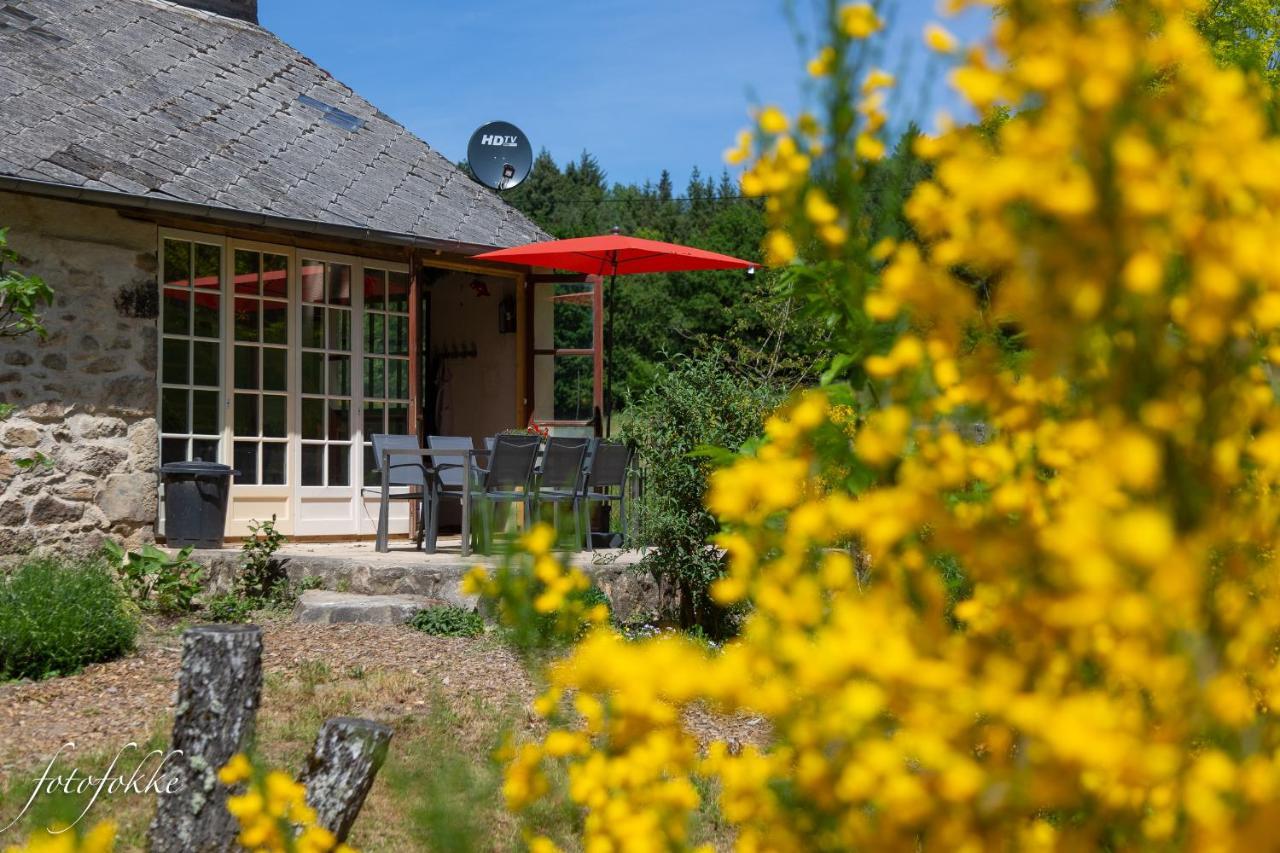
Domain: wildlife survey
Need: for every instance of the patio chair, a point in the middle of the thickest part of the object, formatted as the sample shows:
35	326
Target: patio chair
405	471
506	479
608	470
448	479
561	479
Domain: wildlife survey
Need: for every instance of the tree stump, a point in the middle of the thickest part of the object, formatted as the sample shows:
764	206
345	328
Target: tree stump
340	770
218	692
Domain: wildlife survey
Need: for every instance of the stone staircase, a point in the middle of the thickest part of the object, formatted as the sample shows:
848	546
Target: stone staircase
325	607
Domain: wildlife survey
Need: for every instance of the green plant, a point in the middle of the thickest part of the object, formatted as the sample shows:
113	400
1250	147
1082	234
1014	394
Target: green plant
699	404
285	594
57	617
230	608
262	576
155	580
21	296
448	621
591	597
313	673
30	462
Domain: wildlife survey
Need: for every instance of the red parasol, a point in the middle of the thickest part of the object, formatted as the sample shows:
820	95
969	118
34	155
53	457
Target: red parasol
613	255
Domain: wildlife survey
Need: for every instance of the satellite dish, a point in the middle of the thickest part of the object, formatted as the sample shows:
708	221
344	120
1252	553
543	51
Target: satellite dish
499	155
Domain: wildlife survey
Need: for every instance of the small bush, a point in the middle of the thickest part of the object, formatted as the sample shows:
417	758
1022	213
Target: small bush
700	404
154	580
55	618
262	576
448	621
230	608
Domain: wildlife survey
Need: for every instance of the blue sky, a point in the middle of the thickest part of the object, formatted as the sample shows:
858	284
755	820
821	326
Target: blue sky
641	84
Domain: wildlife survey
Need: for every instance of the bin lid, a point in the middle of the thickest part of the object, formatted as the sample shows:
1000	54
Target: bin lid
199	466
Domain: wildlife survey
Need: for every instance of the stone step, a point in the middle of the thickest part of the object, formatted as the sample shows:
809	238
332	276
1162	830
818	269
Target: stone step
403	572
325	607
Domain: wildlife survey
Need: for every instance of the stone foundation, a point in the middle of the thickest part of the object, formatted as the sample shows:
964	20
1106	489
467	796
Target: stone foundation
86	396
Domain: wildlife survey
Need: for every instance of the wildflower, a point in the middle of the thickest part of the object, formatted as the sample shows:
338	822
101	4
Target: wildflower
939	40
773	120
236	770
820	65
780	249
859	20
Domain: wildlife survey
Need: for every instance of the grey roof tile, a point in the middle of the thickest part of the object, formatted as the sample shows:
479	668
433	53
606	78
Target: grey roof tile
149	98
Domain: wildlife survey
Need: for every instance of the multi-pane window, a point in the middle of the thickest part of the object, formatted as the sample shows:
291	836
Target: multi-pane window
190	351
386	360
260	405
567	354
326	347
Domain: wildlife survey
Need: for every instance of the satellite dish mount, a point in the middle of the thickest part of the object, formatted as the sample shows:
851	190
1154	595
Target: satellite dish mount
500	155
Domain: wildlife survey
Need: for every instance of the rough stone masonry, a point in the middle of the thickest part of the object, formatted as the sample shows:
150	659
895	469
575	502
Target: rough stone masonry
86	396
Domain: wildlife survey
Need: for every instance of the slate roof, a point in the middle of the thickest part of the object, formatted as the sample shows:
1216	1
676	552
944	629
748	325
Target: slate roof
160	101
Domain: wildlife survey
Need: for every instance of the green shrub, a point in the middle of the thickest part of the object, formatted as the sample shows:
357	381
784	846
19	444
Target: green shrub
594	595
155	580
56	617
699	405
230	608
286	594
262	576
448	621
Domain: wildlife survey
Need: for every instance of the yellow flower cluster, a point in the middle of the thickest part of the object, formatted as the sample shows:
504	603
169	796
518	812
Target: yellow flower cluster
273	813
1080	416
532	584
100	839
785	152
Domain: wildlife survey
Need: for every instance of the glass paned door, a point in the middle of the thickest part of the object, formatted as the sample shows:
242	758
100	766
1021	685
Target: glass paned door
385	369
326	353
568	364
190	351
260	367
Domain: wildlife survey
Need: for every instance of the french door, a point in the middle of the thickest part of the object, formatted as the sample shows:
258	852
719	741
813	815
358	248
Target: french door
284	363
259	329
353	381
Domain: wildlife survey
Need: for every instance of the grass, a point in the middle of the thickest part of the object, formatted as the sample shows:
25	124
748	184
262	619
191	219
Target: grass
131	813
440	757
440	789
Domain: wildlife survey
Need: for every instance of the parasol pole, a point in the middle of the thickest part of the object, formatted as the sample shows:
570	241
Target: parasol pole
608	352
608	343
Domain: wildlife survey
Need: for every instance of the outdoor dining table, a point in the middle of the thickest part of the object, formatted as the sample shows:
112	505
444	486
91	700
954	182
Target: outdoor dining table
385	466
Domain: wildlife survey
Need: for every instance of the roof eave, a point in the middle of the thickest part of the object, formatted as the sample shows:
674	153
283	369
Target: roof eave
232	216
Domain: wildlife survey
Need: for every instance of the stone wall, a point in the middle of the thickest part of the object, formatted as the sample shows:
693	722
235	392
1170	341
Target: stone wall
86	396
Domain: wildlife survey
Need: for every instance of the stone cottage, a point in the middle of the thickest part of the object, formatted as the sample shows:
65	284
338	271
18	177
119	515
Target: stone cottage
252	264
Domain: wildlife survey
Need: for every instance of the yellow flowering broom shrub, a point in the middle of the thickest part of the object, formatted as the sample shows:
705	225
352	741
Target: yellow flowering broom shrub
272	812
100	839
1110	681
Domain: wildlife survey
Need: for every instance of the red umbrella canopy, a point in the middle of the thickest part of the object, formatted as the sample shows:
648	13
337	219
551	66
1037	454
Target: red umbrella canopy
615	254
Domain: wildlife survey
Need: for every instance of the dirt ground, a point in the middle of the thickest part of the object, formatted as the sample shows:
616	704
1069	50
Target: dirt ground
109	704
449	701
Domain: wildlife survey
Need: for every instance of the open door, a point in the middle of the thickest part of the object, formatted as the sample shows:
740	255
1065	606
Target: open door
568	353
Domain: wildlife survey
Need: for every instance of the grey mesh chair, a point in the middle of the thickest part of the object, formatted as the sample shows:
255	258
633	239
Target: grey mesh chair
561	480
448	479
607	471
405	471
508	479
505	479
